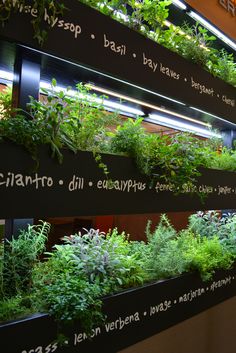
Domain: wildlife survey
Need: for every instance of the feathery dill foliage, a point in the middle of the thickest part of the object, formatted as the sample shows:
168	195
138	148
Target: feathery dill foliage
172	253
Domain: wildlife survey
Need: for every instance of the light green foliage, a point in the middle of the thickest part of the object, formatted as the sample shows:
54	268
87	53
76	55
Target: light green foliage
210	224
225	160
5	102
24	132
206	255
128	138
154	13
171	253
162	250
190	41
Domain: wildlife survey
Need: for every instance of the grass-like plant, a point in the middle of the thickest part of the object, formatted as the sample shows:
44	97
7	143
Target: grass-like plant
20	255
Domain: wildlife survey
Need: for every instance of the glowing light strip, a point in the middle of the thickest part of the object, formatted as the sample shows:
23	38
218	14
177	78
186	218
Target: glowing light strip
179	4
142	103
214	116
179	125
105	102
5	75
213	29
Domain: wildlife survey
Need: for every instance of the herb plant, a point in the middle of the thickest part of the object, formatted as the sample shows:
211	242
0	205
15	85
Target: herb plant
147	17
20	255
71	282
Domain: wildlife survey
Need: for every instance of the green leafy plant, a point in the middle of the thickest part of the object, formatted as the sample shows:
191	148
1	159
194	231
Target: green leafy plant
160	263
77	121
175	159
71	281
20	255
82	270
206	255
5	102
195	44
222	65
212	223
15	308
190	41
147	17
171	253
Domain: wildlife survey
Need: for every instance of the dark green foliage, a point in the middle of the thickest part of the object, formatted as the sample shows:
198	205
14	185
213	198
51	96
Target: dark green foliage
192	42
195	44
78	273
222	65
15	307
76	121
175	159
20	255
164	257
24	132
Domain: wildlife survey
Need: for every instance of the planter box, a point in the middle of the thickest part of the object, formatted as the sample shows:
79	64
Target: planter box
78	187
132	316
87	37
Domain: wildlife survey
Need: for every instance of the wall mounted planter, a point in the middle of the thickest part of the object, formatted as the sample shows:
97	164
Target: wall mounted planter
132	316
89	38
79	187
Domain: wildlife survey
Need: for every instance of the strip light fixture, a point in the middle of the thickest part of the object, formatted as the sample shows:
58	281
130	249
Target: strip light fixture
108	104
144	104
179	125
179	4
6	75
123	108
213	29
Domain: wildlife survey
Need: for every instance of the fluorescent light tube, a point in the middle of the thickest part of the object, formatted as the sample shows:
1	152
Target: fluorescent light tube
5	75
213	29
162	120
179	4
111	105
144	104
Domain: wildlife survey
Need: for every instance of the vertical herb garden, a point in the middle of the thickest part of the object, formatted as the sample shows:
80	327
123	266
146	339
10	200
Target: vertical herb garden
66	153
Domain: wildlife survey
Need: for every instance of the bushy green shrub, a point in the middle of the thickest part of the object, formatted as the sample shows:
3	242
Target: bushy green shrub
20	255
82	270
